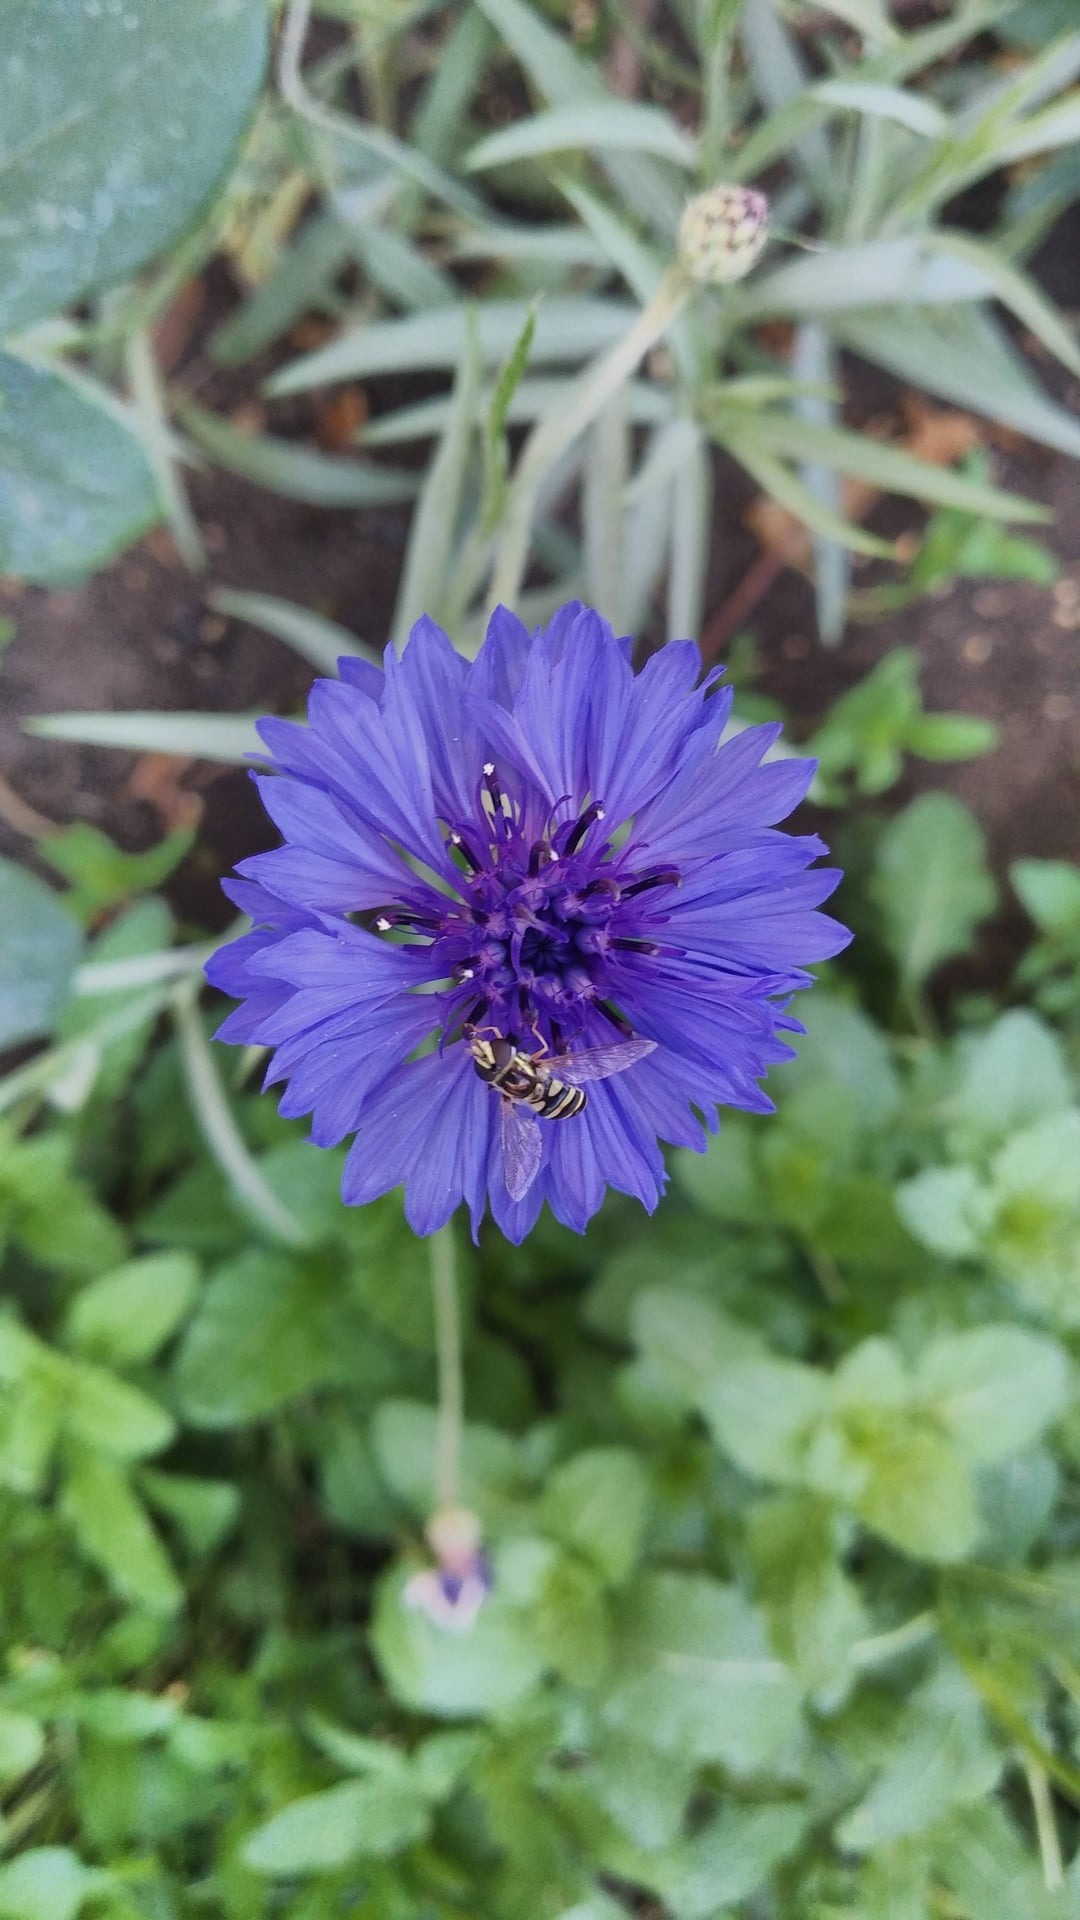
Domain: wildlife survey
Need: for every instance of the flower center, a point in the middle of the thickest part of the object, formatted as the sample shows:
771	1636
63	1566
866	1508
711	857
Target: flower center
538	917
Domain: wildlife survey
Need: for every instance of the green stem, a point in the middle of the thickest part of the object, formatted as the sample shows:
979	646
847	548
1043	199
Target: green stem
1045	1826
555	435
450	1367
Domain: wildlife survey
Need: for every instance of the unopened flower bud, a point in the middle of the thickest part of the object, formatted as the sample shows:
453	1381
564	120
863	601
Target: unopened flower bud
454	1535
722	233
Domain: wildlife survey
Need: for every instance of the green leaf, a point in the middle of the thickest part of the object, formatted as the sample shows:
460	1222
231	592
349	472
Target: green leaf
645	1792
75	486
944	1207
46	1883
360	1819
122	123
995	1390
311	635
487	1671
39	948
22	1743
571	1622
730	1859
941	1757
597	1502
567	332
267	1329
888	467
100	874
112	1529
815	1614
1049	891
297	472
126	1316
195	736
958	353
404	1435
607	125
110	1414
698	1676
203	1512
439	510
932	885
1014	1074
918	1493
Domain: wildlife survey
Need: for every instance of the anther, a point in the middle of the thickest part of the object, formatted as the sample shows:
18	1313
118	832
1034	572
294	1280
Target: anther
662	877
636	946
581	826
457	840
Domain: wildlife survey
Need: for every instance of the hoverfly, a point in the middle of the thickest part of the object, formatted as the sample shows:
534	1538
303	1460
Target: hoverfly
540	1086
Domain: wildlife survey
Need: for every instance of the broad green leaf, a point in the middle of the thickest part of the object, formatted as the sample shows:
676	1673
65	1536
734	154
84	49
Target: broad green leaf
571	1622
918	1494
814	1610
404	1437
39	949
697	1676
360	1819
610	125
197	736
22	1743
124	1317
1012	1075
489	1670
944	1207
942	1756
268	1328
120	122
110	1414
568	331
112	1529
298	472
729	1860
932	886
75	486
46	1883
644	1791
995	1390
100	874
597	1503
1049	891
203	1512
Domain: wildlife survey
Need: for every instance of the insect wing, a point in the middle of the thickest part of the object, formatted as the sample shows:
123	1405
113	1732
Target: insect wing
597	1063
522	1148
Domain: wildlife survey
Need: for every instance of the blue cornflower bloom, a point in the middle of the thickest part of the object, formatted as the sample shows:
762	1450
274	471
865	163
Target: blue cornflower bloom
502	878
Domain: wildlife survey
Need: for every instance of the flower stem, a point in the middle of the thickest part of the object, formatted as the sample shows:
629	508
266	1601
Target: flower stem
449	1360
1045	1826
553	436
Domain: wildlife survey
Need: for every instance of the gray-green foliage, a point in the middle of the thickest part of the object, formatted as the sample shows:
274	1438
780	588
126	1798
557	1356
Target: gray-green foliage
391	222
778	1487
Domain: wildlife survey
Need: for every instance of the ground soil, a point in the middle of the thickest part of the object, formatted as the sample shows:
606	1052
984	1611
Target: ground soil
139	635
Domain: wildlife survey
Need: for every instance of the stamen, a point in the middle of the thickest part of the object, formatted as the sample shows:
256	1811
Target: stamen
581	826
458	842
537	852
660	877
404	917
618	1021
636	946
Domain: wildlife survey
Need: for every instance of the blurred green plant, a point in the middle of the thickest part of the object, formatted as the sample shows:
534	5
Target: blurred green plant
394	219
779	1487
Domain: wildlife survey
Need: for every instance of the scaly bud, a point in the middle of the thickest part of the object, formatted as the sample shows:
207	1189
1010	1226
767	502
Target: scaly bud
722	233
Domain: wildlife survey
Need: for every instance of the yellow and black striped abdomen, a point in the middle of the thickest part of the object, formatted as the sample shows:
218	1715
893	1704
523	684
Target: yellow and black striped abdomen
554	1100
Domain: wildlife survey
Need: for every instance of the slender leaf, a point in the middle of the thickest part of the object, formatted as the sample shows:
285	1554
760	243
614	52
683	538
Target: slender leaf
300	473
311	635
566	331
605	124
195	736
